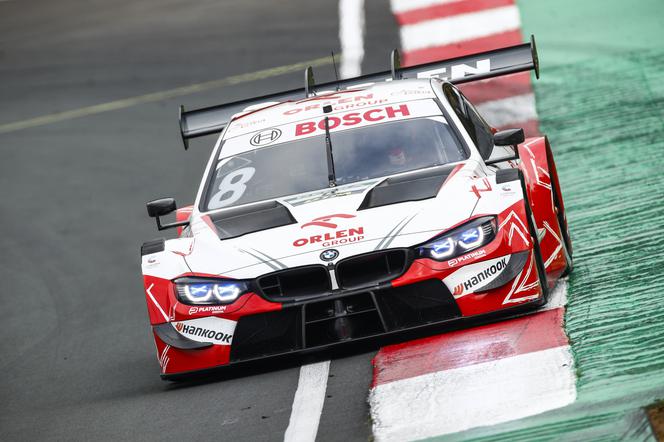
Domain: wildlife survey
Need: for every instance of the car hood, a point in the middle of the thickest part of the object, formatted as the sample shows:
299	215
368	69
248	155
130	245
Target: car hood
352	219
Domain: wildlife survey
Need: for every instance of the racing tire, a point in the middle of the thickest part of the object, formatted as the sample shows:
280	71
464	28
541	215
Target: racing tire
539	262
560	214
568	256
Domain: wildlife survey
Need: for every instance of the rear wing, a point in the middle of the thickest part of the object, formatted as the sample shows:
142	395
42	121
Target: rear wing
480	66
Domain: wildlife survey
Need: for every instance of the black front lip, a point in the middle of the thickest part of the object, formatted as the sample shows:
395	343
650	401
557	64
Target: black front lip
449	325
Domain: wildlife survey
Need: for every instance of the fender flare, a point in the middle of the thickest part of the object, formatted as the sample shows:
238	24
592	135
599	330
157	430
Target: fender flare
545	197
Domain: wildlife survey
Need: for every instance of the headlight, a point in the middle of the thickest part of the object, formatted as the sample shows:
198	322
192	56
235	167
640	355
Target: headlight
461	240
209	291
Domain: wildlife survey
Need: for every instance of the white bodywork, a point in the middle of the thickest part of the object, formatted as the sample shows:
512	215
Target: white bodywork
397	225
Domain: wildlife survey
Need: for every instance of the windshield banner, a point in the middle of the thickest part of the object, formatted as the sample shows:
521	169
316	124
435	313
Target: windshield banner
338	121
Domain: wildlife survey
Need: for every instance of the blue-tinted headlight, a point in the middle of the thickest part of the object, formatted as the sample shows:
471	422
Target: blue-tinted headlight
226	292
209	291
461	240
197	292
442	249
471	238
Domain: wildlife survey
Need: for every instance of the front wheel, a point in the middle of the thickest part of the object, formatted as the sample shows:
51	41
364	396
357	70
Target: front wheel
537	252
562	220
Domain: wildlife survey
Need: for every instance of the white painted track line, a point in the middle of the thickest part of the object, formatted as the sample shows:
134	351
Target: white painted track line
484	394
308	403
458	28
161	95
312	385
408	5
351	34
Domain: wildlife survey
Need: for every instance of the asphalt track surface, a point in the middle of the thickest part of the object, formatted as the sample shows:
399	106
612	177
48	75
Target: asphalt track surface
78	361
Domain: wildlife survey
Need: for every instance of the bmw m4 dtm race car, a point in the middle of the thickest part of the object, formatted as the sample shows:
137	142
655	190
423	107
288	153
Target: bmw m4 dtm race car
344	211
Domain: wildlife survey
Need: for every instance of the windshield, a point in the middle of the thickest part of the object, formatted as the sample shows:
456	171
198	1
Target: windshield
359	154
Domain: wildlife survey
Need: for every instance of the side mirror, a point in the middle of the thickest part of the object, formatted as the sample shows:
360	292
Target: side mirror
509	137
161	207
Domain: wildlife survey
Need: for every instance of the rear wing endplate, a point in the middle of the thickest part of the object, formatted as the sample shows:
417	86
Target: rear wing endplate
474	67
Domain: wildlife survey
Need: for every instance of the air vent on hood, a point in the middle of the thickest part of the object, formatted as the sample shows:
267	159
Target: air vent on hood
415	186
239	221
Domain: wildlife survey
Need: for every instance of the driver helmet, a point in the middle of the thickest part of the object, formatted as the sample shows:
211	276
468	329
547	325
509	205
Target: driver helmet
397	156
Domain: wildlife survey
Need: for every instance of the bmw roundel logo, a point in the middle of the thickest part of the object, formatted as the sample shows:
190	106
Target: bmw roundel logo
329	255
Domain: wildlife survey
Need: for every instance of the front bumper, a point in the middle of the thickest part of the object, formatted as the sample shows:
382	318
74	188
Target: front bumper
322	323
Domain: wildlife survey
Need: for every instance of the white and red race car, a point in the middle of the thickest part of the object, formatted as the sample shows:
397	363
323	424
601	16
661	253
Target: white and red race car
353	209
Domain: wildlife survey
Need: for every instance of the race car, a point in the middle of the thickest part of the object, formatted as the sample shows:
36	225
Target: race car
359	208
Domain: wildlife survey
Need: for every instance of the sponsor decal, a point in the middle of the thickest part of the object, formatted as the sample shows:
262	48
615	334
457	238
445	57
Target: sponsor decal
329	255
485	274
244	124
457	70
324	221
339	103
507	190
466	257
353	118
265	137
408	92
467	279
343	236
204	333
329	239
211	329
207	309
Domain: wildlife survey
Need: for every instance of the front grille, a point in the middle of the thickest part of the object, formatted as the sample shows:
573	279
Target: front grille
372	268
295	284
